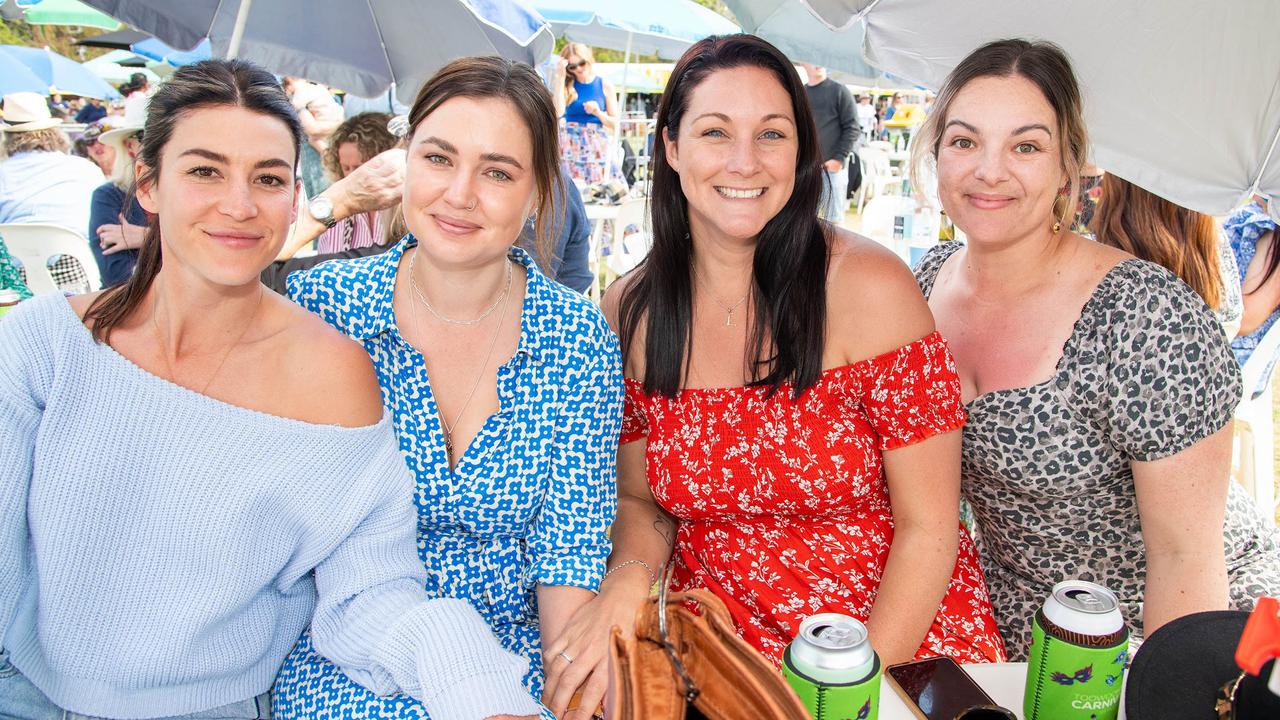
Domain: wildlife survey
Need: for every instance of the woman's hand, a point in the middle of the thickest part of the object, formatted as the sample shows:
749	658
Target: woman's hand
591	107
578	660
124	236
562	67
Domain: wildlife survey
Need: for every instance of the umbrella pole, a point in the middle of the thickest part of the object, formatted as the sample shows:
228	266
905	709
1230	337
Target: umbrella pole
622	98
237	33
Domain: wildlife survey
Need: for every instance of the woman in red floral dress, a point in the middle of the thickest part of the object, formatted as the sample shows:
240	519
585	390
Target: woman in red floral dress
790	437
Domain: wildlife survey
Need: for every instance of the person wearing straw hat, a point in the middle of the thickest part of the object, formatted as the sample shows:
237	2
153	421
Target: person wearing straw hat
116	233
39	181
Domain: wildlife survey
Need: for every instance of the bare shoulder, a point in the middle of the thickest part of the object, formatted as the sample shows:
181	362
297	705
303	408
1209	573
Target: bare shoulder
330	376
874	304
611	302
82	303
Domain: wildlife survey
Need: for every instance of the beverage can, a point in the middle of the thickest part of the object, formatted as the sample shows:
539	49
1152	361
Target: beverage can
8	299
833	668
1079	648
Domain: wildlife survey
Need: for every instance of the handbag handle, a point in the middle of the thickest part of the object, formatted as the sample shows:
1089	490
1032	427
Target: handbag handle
691	691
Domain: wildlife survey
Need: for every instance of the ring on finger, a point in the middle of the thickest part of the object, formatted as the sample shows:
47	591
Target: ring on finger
566	656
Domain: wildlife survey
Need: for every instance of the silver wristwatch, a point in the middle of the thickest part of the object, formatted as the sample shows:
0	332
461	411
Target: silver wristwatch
321	208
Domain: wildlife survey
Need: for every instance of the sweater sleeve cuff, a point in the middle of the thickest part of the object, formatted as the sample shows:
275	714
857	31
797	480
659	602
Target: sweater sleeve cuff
443	653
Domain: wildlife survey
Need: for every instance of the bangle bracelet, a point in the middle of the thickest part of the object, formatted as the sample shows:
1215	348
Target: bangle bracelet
652	578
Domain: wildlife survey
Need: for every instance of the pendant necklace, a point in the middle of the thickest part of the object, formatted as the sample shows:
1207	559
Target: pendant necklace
728	309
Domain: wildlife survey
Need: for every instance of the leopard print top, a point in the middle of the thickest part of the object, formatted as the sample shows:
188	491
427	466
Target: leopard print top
1046	468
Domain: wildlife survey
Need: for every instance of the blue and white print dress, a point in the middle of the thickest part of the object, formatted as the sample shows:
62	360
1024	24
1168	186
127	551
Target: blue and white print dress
530	500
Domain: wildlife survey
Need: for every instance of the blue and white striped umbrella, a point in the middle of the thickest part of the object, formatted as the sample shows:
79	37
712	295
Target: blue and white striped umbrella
61	72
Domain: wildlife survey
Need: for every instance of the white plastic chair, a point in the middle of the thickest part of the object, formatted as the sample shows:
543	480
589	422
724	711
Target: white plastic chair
35	245
877	173
628	249
1253	446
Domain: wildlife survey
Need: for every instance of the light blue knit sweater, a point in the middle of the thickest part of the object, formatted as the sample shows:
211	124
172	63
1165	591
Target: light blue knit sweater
157	546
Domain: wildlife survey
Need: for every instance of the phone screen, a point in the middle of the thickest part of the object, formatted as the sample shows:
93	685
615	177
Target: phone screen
938	687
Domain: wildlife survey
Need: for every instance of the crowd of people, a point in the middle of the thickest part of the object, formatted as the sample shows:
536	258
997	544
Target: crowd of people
431	478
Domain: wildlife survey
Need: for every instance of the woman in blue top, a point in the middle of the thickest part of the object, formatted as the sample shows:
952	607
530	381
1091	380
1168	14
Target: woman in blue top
115	235
505	387
590	112
171	574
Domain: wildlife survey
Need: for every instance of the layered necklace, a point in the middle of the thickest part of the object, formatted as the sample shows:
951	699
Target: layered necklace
445	425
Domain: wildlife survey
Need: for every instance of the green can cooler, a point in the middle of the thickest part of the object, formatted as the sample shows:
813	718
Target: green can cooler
833	668
1079	647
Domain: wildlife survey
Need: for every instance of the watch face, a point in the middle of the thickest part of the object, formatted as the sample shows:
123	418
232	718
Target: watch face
321	208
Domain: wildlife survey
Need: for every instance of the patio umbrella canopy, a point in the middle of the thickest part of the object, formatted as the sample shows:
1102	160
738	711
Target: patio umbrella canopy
63	73
1182	97
361	47
803	37
16	77
665	28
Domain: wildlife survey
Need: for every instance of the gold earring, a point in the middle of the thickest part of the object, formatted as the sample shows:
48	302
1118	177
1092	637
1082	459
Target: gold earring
1056	227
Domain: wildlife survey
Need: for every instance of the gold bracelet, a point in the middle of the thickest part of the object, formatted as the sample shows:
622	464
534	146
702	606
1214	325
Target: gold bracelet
652	578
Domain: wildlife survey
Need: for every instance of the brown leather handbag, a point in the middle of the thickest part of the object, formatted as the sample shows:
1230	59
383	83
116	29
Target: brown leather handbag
686	665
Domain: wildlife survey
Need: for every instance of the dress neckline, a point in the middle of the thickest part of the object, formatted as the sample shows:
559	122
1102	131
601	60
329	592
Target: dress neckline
823	376
1059	368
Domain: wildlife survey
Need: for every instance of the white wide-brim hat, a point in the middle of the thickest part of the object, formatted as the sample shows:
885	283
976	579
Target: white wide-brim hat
26	112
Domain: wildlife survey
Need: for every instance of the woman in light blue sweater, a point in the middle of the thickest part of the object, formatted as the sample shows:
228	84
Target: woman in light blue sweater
169	575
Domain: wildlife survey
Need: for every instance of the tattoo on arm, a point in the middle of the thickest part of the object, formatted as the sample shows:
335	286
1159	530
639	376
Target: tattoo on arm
664	527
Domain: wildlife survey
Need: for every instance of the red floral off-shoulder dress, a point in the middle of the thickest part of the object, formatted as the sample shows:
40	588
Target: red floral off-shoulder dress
783	507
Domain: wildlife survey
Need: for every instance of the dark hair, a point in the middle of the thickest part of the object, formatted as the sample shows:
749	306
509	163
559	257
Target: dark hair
788	288
370	134
1047	67
494	77
206	84
1169	235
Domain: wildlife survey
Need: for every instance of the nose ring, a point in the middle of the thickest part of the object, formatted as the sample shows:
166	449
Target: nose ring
473	206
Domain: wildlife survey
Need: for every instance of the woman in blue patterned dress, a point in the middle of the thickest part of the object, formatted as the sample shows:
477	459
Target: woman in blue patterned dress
505	387
1252	234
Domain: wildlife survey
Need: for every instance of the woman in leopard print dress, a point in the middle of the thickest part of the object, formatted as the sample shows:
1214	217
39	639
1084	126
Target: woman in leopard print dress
1099	388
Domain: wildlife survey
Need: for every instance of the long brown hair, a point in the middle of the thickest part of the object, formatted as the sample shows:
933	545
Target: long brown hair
206	84
493	77
1152	228
1046	66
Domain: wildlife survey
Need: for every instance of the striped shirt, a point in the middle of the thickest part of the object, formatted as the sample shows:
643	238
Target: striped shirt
358	231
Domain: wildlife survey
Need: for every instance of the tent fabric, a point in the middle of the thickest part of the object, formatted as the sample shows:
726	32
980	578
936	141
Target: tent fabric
665	28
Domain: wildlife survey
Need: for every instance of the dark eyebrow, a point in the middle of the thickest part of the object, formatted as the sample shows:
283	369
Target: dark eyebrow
725	118
1019	131
500	158
443	144
220	158
1033	126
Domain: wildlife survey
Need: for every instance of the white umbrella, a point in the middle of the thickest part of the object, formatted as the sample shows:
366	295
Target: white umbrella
361	47
803	37
1182	97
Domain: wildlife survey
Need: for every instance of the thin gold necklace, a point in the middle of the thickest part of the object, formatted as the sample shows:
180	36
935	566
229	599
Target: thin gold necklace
728	320
445	425
164	346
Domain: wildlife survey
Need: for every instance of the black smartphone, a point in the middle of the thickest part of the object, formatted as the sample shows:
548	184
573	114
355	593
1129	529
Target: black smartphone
936	688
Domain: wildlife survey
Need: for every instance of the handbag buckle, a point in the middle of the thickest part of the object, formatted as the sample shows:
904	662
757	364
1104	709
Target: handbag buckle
691	691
